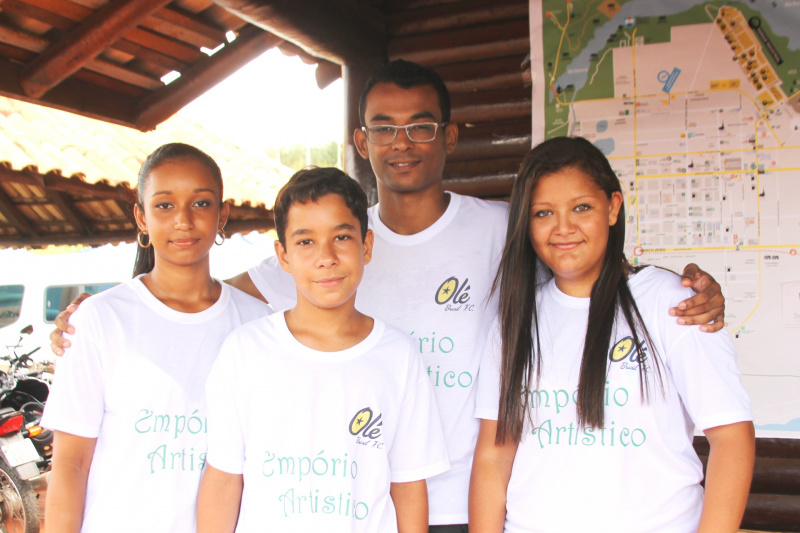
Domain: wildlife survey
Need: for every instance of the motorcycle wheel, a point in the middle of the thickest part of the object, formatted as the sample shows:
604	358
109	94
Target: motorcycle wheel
19	509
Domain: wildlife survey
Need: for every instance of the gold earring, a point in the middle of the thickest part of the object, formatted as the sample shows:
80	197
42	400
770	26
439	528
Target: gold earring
143	233
220	233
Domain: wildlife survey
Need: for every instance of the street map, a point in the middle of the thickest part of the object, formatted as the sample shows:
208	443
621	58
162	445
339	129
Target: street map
697	106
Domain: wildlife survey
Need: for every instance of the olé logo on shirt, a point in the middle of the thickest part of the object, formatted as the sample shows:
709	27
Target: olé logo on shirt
628	354
367	428
453	294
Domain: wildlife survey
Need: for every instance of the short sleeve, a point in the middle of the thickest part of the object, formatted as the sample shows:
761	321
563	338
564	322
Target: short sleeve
225	438
488	396
276	285
418	449
76	403
703	368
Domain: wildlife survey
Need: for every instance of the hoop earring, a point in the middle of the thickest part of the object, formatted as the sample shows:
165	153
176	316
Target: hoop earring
141	234
220	233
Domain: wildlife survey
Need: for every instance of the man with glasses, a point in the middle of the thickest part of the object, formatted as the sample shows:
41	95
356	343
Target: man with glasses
435	256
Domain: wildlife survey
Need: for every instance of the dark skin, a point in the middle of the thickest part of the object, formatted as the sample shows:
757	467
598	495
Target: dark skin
412	197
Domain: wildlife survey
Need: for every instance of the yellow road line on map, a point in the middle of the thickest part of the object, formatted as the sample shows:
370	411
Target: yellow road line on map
700	152
714	152
704	173
560	41
558	55
723	248
721	172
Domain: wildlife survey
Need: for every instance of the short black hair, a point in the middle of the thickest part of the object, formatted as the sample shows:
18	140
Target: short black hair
311	184
406	75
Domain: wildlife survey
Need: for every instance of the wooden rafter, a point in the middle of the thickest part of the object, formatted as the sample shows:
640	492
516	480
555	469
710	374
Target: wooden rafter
16	217
73	217
83	44
165	102
344	32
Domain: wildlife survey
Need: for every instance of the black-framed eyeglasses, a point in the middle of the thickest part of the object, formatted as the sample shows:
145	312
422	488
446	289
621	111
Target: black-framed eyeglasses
421	132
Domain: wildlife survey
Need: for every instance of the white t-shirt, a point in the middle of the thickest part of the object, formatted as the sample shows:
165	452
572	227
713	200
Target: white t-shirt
639	473
434	286
319	436
134	379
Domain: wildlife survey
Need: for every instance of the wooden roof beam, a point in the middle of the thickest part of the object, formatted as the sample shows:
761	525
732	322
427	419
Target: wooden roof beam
16	217
73	217
90	38
158	106
343	32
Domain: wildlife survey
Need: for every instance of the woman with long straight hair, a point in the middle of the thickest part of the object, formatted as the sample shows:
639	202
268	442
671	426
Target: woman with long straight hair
589	393
128	402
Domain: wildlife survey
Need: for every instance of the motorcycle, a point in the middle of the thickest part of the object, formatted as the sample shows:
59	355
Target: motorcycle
26	448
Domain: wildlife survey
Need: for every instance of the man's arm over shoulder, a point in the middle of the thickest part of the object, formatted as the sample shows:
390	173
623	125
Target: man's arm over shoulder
244	283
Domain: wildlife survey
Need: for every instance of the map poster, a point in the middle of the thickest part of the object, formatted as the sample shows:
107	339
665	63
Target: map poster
697	106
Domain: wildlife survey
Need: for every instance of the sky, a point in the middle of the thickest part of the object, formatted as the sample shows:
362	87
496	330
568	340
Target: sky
270	102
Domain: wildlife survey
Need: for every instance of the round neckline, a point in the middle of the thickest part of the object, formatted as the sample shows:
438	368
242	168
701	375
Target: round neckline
565	299
288	340
428	233
179	316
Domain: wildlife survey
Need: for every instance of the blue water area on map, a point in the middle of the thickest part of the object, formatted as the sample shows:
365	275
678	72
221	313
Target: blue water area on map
602	126
791	425
606	145
782	18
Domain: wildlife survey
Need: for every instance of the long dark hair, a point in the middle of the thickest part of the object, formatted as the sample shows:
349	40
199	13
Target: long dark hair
145	257
520	275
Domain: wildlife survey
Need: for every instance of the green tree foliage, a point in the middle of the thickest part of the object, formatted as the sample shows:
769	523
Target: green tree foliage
299	156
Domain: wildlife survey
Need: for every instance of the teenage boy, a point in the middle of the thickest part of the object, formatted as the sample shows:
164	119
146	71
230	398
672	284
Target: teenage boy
436	255
340	429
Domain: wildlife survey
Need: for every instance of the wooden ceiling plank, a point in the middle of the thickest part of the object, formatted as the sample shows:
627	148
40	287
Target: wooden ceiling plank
192	23
343	32
65	8
8	175
50	18
16	217
98	80
179	33
78	187
164	45
89	39
162	104
78	222
123	74
23	40
13	53
144	53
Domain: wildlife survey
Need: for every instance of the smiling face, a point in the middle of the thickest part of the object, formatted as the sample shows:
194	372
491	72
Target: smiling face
181	212
569	223
404	166
324	251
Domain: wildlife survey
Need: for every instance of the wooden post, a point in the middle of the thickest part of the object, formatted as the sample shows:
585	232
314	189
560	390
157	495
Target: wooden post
357	167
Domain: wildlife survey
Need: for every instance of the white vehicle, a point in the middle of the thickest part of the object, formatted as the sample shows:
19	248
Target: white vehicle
35	288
